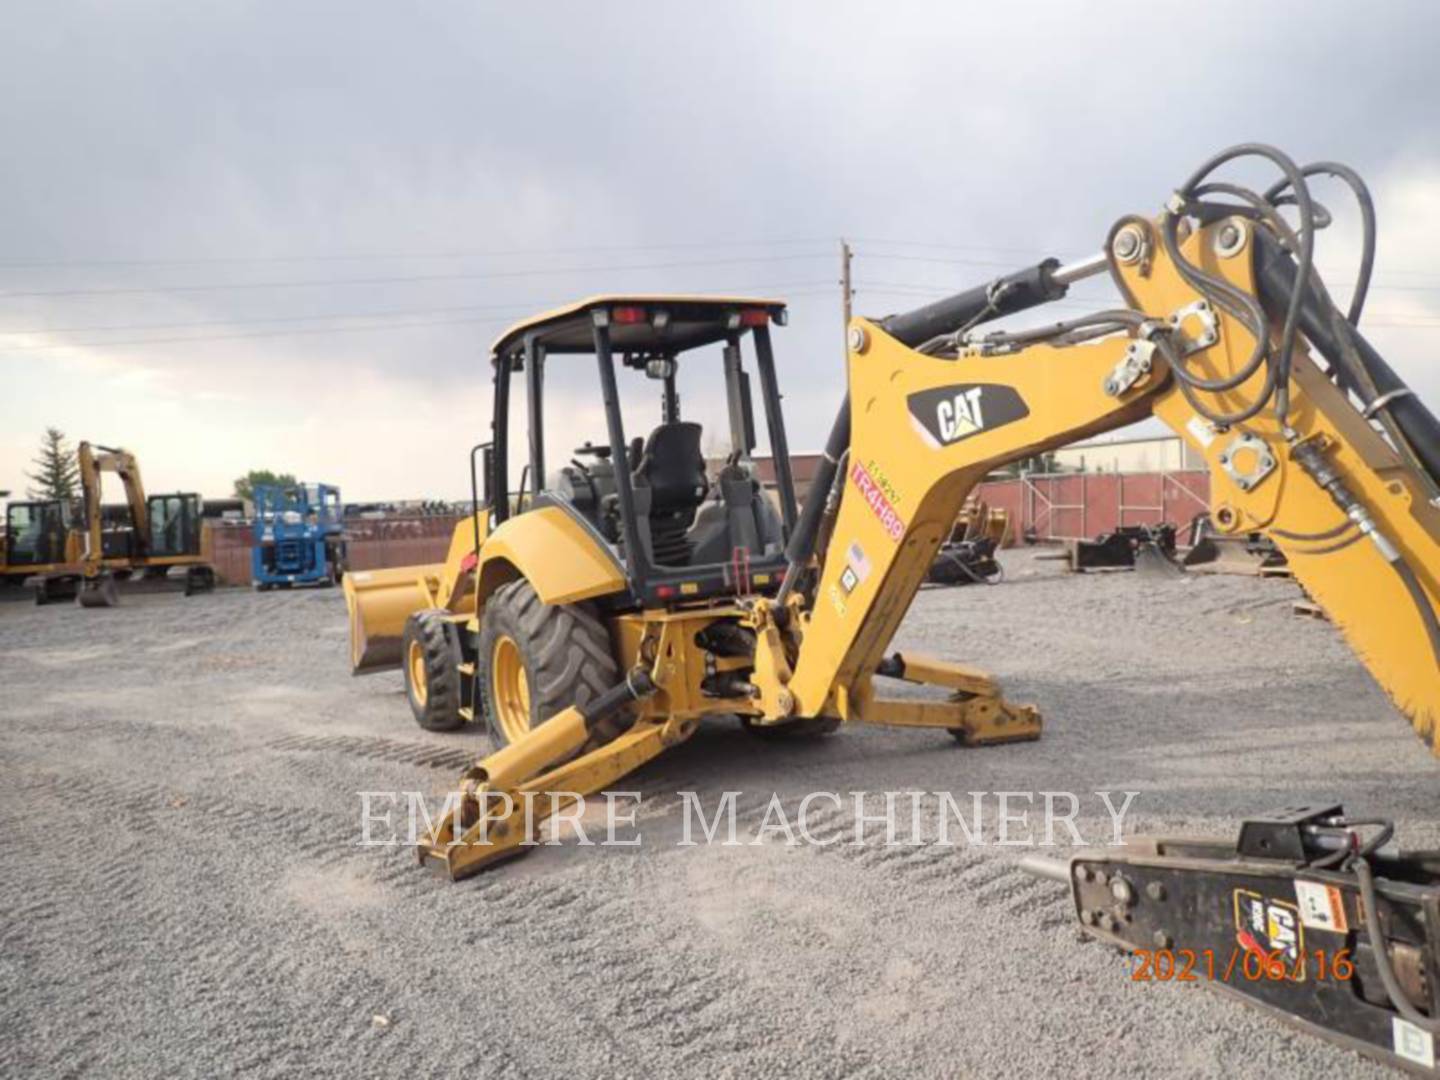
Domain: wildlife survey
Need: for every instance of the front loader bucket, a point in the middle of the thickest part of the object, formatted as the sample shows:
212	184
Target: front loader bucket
379	602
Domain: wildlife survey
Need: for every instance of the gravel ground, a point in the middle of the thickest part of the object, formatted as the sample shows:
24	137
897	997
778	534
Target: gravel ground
182	893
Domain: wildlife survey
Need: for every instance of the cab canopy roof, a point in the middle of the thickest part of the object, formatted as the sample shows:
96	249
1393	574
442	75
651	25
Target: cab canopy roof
646	323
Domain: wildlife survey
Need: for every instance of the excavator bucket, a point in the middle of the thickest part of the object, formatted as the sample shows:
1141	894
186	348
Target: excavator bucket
1151	560
1231	555
379	602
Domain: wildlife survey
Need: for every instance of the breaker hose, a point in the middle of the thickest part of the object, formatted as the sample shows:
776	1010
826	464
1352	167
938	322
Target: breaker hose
1357	861
1190	201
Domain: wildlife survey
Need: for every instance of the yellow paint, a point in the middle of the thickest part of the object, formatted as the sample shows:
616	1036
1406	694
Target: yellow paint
509	689
1063	389
563	560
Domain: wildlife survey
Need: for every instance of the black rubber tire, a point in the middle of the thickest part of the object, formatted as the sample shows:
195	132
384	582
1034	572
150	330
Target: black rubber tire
437	708
565	650
807	727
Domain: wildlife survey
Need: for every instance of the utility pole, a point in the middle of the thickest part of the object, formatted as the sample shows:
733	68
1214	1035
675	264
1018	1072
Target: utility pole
846	292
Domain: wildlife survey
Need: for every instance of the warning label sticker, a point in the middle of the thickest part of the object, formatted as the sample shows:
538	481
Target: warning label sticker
1322	907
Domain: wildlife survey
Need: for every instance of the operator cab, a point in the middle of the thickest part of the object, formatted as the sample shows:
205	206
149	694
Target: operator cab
679	527
35	532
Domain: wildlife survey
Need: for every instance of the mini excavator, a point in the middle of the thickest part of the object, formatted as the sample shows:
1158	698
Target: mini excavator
85	560
593	618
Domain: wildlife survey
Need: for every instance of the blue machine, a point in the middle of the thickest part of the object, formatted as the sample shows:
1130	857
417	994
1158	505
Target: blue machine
299	536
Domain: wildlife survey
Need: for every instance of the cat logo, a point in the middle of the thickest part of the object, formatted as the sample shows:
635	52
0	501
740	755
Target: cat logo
1270	928
961	416
947	414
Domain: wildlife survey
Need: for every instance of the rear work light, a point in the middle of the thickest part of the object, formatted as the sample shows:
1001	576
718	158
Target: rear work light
624	316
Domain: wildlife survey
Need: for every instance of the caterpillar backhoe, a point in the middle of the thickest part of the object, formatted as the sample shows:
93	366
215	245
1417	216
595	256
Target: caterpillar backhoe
592	621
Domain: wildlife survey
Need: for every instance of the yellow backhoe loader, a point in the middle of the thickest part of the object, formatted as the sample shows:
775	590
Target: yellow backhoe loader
593	619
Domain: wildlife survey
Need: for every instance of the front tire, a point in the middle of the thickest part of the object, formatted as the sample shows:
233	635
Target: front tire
536	659
430	648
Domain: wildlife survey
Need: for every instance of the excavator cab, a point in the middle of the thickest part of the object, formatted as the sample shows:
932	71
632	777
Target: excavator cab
35	534
175	525
676	527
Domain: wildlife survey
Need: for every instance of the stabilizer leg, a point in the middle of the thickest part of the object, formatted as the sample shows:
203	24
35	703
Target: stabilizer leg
976	713
504	798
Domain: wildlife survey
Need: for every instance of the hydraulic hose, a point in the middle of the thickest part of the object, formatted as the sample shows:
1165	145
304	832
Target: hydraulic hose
1365	877
1416	429
1007	295
1275	196
1310	457
1004	296
807	526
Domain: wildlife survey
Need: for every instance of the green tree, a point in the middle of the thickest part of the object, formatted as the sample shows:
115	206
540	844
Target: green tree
246	485
57	473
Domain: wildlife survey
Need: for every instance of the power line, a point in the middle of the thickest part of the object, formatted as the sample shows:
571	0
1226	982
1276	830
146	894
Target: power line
501	321
486	276
397	256
477	309
255	334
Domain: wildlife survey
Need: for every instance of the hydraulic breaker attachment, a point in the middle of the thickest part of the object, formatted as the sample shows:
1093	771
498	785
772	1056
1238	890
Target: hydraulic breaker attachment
506	797
975	713
1312	916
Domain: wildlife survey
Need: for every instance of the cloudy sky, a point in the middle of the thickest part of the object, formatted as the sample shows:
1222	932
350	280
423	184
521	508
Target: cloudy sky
281	234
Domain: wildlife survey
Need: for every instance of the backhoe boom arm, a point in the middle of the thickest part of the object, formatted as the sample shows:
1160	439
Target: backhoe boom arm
924	421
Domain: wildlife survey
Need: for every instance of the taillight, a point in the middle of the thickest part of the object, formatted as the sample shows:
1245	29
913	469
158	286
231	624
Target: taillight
625	316
754	317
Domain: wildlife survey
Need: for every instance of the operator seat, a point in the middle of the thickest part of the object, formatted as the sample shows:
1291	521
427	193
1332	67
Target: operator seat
671	470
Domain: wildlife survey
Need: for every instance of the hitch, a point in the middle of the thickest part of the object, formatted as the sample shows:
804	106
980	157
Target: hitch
1312	916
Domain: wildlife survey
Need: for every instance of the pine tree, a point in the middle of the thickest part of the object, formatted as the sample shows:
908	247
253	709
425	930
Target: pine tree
57	475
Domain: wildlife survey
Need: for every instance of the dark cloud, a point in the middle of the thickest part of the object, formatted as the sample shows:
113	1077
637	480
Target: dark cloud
220	131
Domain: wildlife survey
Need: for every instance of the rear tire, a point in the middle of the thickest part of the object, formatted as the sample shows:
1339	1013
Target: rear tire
536	659
430	657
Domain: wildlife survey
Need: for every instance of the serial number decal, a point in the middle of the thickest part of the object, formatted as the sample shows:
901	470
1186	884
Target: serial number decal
874	497
1242	965
946	415
877	475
